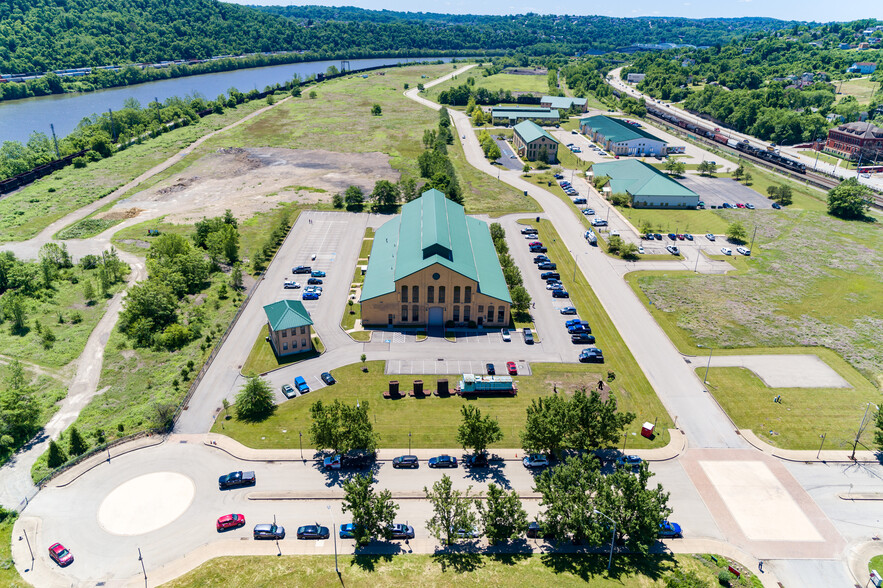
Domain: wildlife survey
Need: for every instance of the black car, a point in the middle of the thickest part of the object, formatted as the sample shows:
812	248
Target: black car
491	371
313	532
540	259
443	461
477	460
776	205
591	354
302	269
550	276
560	294
657	236
328	378
582	338
314	282
547	265
400	531
406	461
269	532
538	249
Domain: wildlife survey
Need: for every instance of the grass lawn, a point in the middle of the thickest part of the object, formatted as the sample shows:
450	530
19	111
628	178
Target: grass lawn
829	158
24	213
350	315
876	563
446	570
697	222
862	88
9	576
262	359
135	239
500	81
367	243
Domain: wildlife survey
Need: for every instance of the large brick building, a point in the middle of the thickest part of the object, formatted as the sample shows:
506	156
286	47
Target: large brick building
432	265
532	142
854	139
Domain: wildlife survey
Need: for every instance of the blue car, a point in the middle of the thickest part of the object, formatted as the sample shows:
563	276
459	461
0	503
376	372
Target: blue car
301	385
443	461
560	294
309	296
575	321
348	531
317	274
314	281
669	530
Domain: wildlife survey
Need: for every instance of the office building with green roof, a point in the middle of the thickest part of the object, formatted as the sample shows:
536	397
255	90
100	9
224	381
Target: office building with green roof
512	115
432	265
532	142
564	102
290	327
621	138
646	186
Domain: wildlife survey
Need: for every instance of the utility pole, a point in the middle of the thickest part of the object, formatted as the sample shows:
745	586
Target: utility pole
143	569
861	429
752	238
333	534
55	139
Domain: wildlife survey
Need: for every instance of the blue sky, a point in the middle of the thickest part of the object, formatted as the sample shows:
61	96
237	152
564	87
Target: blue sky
806	10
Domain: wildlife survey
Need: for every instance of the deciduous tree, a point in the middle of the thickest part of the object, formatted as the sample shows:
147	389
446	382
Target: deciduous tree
254	403
477	432
353	198
342	427
736	232
546	426
451	511
372	513
502	515
850	200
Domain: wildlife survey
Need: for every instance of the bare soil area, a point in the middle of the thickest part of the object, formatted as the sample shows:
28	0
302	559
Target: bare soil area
249	181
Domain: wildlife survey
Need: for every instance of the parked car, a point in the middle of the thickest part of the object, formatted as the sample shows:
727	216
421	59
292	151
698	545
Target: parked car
528	336
60	554
535	460
668	530
511	368
230	521
567	310
288	391
534	243
317	274
588	211
406	461
709	236
301	385
776	205
554	285
727	205
740	205
310	296
347	531
540	259
236	479
538	249
547	265
477	460
290	285
400	531
560	294
579	330
749	206
328	378
529	231
269	531
314	289
490	369
550	276
467	533
726	251
673	250
688	236
599	222
535	531
681	237
576	321
591	354
506	336
672	236
355	459
579	200
640	250
314	281
744	251
313	532
657	236
301	269
630	462
583	338
614	233
443	461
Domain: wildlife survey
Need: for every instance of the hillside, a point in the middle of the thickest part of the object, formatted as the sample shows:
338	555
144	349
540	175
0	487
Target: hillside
43	35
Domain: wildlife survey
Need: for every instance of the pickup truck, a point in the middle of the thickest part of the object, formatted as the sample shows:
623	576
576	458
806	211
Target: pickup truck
234	479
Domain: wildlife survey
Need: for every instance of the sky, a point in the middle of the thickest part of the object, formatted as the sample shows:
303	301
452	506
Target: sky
804	10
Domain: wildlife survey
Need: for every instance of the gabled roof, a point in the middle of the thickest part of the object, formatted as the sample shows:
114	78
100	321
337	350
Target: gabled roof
639	179
433	230
287	314
524	112
616	130
531	131
562	102
863	130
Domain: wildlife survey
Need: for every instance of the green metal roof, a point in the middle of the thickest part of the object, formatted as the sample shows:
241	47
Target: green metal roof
287	314
639	179
616	130
524	112
445	235
562	102
531	131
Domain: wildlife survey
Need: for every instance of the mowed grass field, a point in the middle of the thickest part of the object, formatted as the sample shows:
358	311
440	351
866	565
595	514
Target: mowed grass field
862	88
500	81
446	570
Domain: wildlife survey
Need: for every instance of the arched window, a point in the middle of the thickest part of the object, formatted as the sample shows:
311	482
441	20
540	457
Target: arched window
490	313
415	313
468	297
456	294
404	293
404	313
430	294
415	294
441	294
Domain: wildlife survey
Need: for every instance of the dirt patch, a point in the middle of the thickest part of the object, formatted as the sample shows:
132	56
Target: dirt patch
119	214
249	181
136	243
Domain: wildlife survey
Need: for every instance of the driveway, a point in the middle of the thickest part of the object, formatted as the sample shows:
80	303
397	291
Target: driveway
716	191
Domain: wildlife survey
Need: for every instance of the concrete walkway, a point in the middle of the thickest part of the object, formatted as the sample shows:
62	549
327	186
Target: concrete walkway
784	371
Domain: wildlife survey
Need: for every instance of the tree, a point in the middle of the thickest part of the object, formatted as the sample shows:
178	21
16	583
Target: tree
341	427
614	244
746	179
706	168
546	425
236	277
451	511
88	291
850	200
313	94
14	309
353	198
19	412
738	172
408	189
502	515
385	194
568	494
878	433
223	244
498	233
595	423
675	166
520	299
254	403
526	168
477	432
372	513
337	201
76	444
637	508
56	457
493	153
629	251
376	110
736	232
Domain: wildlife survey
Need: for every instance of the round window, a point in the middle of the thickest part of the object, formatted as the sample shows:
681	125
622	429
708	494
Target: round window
436	276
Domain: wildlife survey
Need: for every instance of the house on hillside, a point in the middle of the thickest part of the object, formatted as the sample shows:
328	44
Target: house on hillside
862	67
532	142
290	327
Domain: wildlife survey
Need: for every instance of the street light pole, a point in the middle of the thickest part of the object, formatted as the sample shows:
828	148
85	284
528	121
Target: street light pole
336	569
301	437
861	429
710	351
409	442
612	538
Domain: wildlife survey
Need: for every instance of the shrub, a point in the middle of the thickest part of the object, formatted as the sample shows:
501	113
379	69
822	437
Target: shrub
79	162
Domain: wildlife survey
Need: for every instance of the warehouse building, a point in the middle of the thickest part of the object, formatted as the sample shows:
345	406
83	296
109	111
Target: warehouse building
512	115
564	102
646	186
621	138
432	265
532	143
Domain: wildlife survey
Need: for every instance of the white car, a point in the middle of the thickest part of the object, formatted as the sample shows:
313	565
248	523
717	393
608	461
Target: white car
506	336
709	236
744	251
641	249
726	251
291	285
614	233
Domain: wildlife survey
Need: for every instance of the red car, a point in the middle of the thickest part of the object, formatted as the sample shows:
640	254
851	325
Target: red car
230	521
740	206
680	237
512	368
60	554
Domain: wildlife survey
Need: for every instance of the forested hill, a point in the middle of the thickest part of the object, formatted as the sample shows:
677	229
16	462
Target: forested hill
43	35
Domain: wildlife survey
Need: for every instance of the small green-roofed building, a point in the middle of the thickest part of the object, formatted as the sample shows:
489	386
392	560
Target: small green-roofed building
512	115
564	102
290	327
646	186
431	265
621	138
532	142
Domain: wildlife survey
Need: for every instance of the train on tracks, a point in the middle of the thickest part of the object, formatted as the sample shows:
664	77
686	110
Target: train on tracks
769	154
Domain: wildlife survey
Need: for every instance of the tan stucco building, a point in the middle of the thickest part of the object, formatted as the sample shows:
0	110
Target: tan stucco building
532	142
290	327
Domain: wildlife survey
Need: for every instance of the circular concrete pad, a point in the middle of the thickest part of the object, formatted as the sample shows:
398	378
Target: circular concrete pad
146	503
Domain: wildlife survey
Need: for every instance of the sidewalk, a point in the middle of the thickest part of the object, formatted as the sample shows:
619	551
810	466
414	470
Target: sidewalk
809	455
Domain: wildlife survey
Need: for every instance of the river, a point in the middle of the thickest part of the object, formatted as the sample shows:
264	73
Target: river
19	118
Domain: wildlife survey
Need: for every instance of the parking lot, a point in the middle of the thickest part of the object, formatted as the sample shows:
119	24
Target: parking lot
509	159
716	191
453	366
